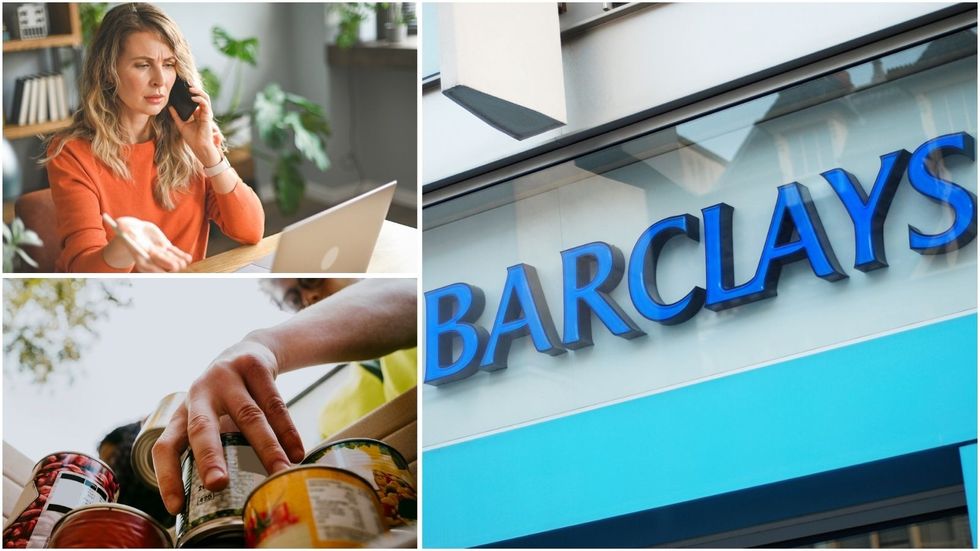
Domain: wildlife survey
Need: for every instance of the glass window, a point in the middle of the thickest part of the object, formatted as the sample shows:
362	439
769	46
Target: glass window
950	531
739	156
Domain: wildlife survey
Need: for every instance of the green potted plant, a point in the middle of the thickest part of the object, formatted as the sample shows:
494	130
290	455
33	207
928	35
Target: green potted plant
396	30
15	238
352	14
235	122
277	116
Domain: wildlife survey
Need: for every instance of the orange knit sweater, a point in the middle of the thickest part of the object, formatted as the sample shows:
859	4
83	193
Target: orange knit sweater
83	188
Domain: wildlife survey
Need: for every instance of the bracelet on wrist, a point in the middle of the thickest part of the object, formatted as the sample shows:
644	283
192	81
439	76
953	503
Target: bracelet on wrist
217	169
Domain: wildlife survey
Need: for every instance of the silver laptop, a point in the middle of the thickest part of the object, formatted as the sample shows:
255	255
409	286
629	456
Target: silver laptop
339	239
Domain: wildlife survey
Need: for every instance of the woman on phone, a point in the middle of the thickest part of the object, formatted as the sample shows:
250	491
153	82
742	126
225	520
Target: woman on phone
128	155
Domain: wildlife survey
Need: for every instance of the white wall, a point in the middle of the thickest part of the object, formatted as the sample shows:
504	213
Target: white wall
652	57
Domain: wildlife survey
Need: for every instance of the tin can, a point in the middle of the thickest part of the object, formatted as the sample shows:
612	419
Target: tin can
104	525
214	519
381	465
153	427
60	482
313	506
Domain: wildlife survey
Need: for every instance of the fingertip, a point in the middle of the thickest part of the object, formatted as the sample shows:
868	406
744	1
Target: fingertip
215	477
173	503
296	453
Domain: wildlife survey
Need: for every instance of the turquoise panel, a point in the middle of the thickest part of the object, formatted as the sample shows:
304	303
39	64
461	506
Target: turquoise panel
906	392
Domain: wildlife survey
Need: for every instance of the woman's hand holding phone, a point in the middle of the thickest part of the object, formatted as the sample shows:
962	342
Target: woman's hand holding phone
143	243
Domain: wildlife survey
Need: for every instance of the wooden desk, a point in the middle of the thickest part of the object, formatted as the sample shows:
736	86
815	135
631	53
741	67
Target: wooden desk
395	252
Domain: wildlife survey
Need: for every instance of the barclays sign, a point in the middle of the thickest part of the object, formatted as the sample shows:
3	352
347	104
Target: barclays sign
591	271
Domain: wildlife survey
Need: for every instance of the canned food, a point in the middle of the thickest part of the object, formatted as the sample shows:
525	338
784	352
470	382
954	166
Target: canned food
313	506
153	427
213	519
104	525
381	465
60	482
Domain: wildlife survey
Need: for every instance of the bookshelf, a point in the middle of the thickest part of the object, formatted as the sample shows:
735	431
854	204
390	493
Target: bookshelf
65	31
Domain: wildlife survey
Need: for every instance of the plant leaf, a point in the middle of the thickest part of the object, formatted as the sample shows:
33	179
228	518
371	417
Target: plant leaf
289	183
16	230
269	113
315	123
246	50
304	103
7	236
308	143
30	238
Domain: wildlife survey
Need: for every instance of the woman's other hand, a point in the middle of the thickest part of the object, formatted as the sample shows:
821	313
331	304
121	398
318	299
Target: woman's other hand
240	383
147	247
200	131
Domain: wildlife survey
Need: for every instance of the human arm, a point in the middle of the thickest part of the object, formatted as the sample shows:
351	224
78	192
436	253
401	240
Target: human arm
234	206
368	319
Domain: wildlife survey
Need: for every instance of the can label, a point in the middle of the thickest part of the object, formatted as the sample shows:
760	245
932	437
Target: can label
60	482
245	472
68	492
312	506
382	467
342	512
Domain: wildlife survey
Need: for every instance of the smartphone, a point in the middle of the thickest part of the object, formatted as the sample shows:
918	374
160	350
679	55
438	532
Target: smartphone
180	98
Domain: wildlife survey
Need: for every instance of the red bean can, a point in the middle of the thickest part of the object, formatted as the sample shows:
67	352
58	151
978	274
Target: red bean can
61	481
105	525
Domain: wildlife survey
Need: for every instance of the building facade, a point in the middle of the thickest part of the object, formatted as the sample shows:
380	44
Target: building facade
608	361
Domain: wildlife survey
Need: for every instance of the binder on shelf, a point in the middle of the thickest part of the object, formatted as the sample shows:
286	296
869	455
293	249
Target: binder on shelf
18	98
62	97
25	101
42	99
34	100
54	110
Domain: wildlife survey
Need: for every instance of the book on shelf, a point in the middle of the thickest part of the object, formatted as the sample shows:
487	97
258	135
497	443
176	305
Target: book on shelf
39	99
25	101
54	110
34	100
42	100
62	93
18	100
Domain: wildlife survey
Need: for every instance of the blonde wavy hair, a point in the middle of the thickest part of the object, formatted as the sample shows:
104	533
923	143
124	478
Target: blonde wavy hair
98	118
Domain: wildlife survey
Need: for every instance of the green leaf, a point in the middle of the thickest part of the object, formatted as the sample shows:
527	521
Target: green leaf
289	183
304	103
31	239
315	123
16	229
308	143
246	50
269	112
212	84
7	236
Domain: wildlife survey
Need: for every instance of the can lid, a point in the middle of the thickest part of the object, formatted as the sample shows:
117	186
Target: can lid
66	452
141	456
116	507
324	446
